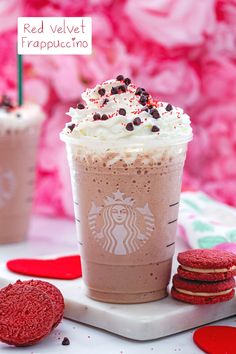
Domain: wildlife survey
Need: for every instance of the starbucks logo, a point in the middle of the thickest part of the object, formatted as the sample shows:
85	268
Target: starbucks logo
7	186
118	226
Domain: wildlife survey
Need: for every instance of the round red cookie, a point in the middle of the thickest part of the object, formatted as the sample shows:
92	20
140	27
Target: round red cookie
204	276
195	289
26	315
54	294
207	264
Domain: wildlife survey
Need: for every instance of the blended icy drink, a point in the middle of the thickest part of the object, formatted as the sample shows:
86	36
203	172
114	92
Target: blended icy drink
126	153
19	133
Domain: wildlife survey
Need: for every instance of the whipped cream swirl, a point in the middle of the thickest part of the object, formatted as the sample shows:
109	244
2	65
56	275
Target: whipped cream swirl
111	110
20	118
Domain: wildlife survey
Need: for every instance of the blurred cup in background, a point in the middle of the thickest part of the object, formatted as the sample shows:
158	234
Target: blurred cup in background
19	135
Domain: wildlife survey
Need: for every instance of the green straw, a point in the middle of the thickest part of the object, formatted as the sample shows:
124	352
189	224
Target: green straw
19	79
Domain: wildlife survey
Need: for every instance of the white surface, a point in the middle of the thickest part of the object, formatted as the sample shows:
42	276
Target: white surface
85	339
140	321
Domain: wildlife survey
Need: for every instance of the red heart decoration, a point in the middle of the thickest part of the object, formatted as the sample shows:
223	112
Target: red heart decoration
66	268
216	339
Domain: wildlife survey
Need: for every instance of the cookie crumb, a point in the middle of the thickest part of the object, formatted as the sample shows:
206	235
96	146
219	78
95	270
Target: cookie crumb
65	341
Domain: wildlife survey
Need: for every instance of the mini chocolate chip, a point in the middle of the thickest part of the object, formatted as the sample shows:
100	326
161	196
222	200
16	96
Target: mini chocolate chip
18	115
96	116
65	341
129	127
155	129
6	102
127	81
71	126
105	101
122	112
154	112
80	106
114	90
137	121
138	91
122	88
104	117
143	100
120	78
143	103
101	91
145	93
169	107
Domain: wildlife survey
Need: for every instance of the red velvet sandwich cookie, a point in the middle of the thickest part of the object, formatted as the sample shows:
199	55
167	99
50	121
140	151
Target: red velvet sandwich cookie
197	292
207	264
54	294
26	315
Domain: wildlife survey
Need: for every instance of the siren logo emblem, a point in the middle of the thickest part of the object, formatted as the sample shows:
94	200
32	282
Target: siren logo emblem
118	225
7	186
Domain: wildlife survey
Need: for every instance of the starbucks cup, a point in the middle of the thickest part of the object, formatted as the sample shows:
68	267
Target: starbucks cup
126	215
19	135
126	153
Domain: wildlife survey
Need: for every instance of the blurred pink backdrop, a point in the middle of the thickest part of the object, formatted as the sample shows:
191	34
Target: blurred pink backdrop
182	51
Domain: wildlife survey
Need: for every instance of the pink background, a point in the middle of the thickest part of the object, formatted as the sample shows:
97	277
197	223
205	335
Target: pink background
181	51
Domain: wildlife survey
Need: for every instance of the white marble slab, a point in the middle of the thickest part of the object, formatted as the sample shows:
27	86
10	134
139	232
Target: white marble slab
140	322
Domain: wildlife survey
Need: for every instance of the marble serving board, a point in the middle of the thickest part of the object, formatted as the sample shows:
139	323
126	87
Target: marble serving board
140	321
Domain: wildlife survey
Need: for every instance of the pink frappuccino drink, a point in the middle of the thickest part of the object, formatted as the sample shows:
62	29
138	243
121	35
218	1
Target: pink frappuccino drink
19	133
126	153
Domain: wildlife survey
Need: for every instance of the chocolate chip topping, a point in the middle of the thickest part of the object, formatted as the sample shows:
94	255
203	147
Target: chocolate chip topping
143	100
6	102
143	103
127	81
145	93
122	88
169	107
71	127
138	91
122	112
129	127
120	78
154	112
96	116
114	90
101	91
80	106
137	121
155	129
18	115
104	117
105	101
65	341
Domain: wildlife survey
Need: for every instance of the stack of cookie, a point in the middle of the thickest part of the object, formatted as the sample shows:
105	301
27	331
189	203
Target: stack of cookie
205	276
29	310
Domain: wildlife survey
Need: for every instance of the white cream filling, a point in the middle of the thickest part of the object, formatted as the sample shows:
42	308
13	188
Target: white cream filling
203	294
198	270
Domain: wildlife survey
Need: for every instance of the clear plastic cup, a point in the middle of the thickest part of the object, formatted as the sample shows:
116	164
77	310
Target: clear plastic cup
18	149
126	201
